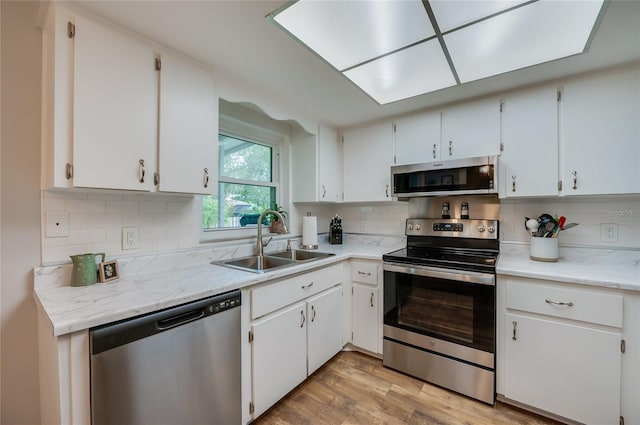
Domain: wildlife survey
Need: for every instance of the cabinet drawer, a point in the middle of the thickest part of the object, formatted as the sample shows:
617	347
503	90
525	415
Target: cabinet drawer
273	296
364	272
587	306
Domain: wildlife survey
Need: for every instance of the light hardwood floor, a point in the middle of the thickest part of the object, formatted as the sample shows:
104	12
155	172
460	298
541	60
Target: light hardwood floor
354	388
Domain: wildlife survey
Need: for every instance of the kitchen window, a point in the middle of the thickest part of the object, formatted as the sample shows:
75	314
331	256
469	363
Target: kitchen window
247	179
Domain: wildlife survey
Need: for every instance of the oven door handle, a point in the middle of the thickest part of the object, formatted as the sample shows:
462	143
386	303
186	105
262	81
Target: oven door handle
461	276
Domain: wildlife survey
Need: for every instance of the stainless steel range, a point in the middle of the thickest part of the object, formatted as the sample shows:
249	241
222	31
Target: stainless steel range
439	304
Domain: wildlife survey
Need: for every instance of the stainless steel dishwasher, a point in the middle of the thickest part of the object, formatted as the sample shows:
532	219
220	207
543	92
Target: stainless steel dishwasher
176	366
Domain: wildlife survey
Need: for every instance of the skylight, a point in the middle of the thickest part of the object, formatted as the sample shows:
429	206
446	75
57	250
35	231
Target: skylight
395	50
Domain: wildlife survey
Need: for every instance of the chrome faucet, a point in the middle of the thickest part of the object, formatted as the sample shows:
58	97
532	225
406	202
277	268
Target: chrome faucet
262	244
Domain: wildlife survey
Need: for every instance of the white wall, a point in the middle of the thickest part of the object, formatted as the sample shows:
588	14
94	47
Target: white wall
20	216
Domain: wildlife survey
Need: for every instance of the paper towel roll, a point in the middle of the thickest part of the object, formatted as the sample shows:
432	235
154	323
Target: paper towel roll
309	232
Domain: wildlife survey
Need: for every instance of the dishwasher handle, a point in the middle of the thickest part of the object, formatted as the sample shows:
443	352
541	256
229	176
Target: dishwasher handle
112	335
179	319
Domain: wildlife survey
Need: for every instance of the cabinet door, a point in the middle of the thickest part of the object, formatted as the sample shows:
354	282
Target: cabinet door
329	165
324	327
279	355
569	370
365	317
114	109
601	135
471	129
417	139
530	137
188	139
367	163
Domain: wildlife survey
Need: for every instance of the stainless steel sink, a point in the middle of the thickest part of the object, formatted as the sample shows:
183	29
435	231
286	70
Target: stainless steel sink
300	255
256	263
272	261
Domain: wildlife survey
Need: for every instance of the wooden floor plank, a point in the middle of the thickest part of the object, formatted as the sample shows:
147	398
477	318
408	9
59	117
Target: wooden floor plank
356	389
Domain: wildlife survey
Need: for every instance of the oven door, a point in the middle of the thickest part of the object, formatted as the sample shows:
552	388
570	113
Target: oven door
449	312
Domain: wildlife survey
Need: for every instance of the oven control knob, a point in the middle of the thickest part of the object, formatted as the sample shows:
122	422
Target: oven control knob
410	226
491	229
418	227
481	229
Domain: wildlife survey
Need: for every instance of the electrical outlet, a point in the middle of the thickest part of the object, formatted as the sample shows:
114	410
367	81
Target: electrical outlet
608	232
57	225
129	238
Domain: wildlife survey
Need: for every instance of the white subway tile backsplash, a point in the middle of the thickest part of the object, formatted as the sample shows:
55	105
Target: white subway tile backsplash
122	207
86	236
93	206
153	207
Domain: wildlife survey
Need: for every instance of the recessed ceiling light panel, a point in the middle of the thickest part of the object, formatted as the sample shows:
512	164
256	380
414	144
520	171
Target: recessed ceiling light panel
417	70
532	34
453	14
347	33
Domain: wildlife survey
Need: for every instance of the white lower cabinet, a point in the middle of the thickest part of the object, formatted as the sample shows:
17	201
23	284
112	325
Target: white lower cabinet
292	338
365	317
366	310
279	355
559	348
569	370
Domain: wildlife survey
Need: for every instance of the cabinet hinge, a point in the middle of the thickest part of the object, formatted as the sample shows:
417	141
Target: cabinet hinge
559	185
501	147
250	337
71	30
559	96
395	161
623	346
158	64
69	171
156	179
252	408
501	105
621	420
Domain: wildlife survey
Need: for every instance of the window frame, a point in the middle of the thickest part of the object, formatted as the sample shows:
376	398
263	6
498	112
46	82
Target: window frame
232	127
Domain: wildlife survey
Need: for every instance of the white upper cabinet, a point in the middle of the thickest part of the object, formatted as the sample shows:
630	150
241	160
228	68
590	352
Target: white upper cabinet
329	165
111	119
188	139
417	138
368	156
114	109
316	166
600	142
471	129
530	137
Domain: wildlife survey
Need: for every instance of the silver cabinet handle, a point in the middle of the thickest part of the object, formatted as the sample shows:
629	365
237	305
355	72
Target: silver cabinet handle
307	286
569	304
313	313
363	273
513	183
69	171
141	170
206	178
386	191
434	151
514	337
324	191
450	147
575	179
371	300
303	318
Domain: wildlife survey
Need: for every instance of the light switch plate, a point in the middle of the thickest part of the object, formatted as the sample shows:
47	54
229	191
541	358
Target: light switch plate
129	238
57	224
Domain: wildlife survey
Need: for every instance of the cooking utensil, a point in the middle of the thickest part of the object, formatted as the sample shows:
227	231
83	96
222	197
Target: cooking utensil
569	226
531	224
561	221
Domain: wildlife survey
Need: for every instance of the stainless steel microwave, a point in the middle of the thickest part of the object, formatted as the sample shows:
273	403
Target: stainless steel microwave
470	176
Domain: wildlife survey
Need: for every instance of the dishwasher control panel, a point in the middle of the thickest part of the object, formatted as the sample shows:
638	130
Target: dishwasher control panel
219	306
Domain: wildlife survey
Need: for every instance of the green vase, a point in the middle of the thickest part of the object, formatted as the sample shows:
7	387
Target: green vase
85	270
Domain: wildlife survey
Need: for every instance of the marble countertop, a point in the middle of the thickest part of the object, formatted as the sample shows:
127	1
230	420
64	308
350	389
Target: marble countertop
176	279
611	268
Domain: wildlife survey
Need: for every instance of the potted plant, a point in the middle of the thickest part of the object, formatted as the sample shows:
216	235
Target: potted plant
276	224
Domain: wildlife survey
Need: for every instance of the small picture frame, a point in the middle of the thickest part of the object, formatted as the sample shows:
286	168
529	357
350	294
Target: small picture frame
108	271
